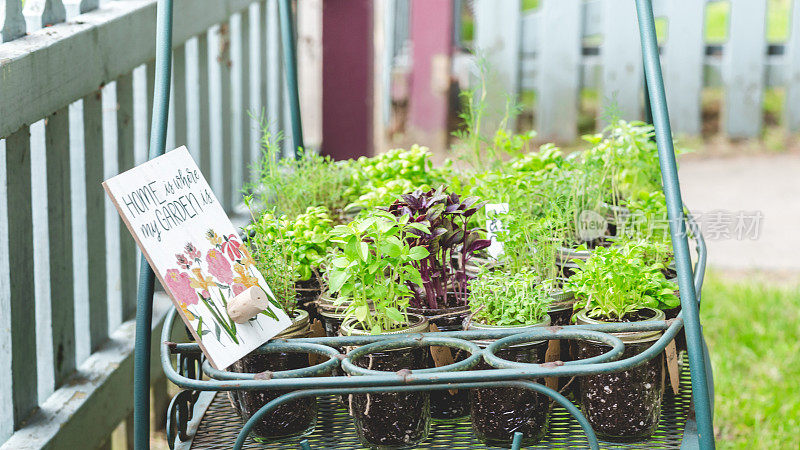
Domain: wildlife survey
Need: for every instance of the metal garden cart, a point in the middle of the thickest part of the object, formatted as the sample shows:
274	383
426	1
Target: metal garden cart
200	416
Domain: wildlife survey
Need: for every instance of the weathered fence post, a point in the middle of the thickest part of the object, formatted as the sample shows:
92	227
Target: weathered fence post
12	24
743	68
622	60
558	83
792	105
497	39
432	48
683	56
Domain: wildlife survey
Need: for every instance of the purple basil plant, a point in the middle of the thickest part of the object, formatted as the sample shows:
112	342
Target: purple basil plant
450	244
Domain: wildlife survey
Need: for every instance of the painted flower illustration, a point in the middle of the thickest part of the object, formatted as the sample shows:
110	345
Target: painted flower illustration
238	288
231	247
183	263
247	260
206	295
219	266
200	281
191	251
244	277
186	312
213	237
179	283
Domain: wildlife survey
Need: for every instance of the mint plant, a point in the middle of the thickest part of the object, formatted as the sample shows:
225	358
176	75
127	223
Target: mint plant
374	266
617	281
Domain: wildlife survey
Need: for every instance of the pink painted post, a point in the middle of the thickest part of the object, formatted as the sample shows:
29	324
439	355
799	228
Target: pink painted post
346	78
432	48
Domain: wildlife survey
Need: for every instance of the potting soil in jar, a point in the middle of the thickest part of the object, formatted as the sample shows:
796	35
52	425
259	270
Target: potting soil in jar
560	315
308	292
624	406
290	419
497	413
391	420
447	405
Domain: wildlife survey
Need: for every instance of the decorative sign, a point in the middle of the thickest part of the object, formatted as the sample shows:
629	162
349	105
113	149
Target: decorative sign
195	252
494	226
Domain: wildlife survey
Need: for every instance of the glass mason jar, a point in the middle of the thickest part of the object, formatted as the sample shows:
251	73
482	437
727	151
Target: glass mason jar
391	420
497	413
624	406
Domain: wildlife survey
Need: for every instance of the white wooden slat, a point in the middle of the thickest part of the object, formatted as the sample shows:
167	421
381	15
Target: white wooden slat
309	57
262	58
59	226
204	105
43	13
12	25
228	150
274	66
683	58
256	86
17	283
95	219
557	94
497	38
530	29
744	69
592	17
6	386
622	60
88	5
179	96
150	76
244	107
792	108
125	161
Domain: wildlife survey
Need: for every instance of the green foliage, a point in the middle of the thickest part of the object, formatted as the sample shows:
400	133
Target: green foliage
374	265
292	185
306	237
502	298
273	256
617	281
381	179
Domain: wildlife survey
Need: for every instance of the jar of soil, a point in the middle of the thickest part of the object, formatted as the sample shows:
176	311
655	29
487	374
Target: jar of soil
447	405
391	420
624	406
331	314
292	419
497	413
308	292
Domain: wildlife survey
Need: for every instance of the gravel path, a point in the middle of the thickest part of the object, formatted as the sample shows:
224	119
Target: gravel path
721	188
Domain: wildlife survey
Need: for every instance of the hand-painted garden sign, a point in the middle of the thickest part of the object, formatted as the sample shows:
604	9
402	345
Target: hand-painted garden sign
196	253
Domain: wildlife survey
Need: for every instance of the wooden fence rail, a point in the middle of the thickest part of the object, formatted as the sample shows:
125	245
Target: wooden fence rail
76	87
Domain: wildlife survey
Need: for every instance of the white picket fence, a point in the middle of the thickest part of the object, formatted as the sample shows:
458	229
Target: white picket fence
542	50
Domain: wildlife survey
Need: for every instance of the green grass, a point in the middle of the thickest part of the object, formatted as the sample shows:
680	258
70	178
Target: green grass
753	331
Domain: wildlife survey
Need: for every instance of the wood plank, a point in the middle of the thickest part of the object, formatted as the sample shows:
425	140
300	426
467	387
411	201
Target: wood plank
50	68
559	61
17	282
244	108
83	412
684	51
744	69
179	96
223	60
126	160
275	73
204	127
497	36
13	25
59	226
309	60
622	61
95	219
792	110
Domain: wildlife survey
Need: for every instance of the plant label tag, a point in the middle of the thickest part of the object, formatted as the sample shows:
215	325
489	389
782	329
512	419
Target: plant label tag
494	226
442	356
553	354
672	365
195	252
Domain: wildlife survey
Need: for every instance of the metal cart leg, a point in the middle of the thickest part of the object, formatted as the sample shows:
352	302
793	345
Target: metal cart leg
669	174
144	299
